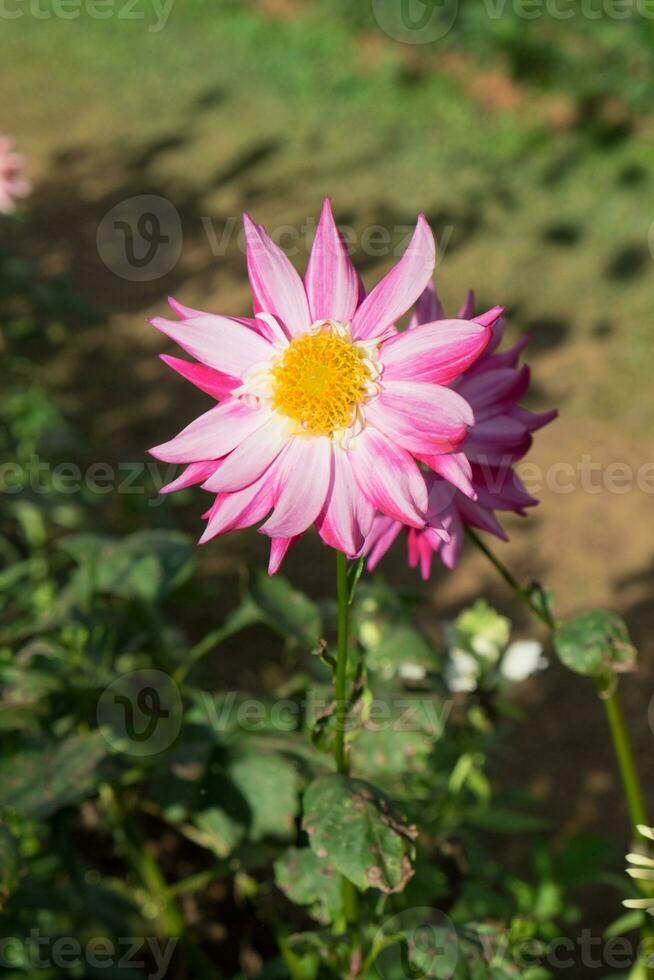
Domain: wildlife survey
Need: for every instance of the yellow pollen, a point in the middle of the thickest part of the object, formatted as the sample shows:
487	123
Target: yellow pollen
319	382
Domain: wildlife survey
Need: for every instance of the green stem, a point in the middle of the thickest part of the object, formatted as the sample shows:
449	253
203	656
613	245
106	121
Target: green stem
621	741
348	889
626	761
340	753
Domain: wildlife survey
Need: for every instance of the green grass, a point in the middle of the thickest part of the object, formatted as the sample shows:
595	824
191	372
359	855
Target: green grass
552	222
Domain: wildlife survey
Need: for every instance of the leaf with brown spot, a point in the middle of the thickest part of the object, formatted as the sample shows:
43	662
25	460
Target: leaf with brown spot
362	833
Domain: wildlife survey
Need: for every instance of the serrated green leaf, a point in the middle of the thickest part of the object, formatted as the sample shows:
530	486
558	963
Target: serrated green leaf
357	829
309	880
595	643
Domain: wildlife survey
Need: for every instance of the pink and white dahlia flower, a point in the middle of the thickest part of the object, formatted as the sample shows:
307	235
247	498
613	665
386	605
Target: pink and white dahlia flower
13	183
324	408
485	481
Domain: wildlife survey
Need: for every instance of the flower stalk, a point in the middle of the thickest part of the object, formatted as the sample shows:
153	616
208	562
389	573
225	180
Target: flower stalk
341	756
631	784
619	733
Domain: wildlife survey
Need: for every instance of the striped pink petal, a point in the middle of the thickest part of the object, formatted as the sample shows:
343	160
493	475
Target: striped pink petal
251	458
332	283
301	479
382	535
339	523
241	509
278	549
218	341
276	286
436	352
455	468
397	291
389	477
213	434
422	418
193	474
207	379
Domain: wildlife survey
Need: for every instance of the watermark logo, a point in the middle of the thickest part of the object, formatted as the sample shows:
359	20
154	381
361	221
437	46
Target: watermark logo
416	21
140	239
417	944
141	713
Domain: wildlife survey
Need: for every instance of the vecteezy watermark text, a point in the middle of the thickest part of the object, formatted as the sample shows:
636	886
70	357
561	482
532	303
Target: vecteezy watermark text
41	477
154	13
39	952
586	475
426	21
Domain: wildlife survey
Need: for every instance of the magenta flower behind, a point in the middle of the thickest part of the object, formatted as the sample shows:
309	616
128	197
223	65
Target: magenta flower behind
325	409
13	182
486	480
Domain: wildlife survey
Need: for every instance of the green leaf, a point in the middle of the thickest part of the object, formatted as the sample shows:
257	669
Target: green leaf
357	828
253	796
595	644
47	776
309	880
385	629
633	919
285	609
354	573
146	565
9	865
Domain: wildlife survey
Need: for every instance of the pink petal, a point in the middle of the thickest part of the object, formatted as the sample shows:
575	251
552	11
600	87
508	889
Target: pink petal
302	475
428	308
467	311
183	312
188	313
533	420
278	549
490	318
500	488
483	518
218	341
251	458
331	281
241	509
389	477
436	352
213	434
455	468
421	546
207	379
194	473
382	535
422	418
276	286
497	441
492	392
338	524
397	291
450	551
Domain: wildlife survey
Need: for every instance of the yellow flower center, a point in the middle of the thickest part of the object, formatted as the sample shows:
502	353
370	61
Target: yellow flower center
320	380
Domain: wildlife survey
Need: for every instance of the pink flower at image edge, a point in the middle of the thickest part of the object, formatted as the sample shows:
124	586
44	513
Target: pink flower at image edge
13	182
326	414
